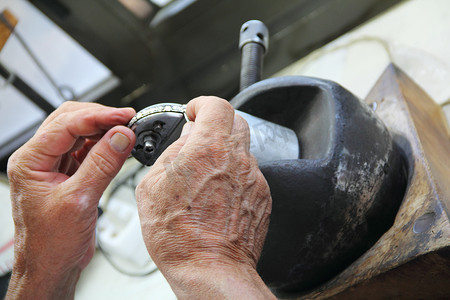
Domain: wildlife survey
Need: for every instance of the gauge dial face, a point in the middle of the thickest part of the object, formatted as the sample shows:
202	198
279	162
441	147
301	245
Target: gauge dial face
156	127
155	109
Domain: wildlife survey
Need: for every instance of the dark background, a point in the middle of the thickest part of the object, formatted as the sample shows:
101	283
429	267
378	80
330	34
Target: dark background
177	54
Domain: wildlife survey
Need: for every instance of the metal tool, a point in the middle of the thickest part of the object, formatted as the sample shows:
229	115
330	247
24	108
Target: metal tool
337	198
331	202
158	126
254	43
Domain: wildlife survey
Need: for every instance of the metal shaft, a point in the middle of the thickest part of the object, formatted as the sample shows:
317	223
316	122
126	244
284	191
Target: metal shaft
254	43
26	90
251	64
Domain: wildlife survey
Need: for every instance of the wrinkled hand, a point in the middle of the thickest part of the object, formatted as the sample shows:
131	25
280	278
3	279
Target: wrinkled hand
57	179
204	207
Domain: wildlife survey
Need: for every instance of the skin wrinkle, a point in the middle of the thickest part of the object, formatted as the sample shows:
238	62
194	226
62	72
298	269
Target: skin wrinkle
197	187
215	176
262	207
54	205
105	167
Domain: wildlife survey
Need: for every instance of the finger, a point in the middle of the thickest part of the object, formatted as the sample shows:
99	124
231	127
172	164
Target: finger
81	153
60	135
68	165
241	132
82	120
211	114
95	137
79	144
102	163
66	107
73	167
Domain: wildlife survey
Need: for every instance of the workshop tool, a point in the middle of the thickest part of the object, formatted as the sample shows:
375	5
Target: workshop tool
253	43
159	125
334	201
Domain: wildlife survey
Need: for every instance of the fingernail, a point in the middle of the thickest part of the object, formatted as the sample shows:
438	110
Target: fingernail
119	142
187	128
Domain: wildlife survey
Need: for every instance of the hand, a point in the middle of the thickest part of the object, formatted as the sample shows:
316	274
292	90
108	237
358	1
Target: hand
204	207
57	179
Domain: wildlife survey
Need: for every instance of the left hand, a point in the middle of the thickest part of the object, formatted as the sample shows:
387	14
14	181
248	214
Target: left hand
57	179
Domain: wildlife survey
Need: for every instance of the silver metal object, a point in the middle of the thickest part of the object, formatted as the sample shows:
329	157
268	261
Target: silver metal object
254	44
158	126
254	31
270	141
154	109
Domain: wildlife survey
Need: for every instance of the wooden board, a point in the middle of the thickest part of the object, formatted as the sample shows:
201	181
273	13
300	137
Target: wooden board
412	259
5	30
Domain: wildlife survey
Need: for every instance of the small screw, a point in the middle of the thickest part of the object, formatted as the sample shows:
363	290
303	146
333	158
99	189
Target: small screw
157	126
149	147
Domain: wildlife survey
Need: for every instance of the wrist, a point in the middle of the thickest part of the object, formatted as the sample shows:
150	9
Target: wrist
41	284
215	280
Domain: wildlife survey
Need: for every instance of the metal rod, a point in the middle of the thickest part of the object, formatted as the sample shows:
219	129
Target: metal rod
26	90
254	43
251	64
38	63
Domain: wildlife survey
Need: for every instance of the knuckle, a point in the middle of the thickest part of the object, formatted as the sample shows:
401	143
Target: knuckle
263	186
61	119
224	103
241	121
13	166
242	129
141	188
67	105
55	125
226	106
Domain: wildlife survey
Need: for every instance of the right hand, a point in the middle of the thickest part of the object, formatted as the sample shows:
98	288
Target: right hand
205	205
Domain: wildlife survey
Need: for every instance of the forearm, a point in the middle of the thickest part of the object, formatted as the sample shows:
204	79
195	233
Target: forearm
24	285
218	282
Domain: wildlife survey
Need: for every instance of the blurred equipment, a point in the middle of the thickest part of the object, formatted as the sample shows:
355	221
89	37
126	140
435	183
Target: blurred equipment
138	41
144	51
6	26
119	235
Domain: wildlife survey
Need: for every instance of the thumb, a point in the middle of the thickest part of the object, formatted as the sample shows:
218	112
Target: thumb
103	162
